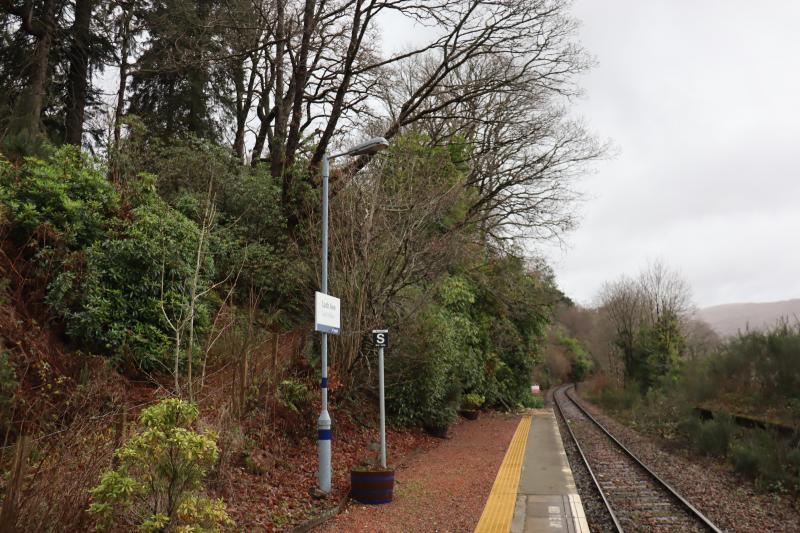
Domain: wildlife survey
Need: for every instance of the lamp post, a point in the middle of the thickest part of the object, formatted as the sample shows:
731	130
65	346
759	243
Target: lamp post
371	146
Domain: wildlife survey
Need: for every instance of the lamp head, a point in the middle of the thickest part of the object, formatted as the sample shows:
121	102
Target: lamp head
372	146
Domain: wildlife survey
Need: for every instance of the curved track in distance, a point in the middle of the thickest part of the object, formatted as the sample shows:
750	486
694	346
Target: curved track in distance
637	499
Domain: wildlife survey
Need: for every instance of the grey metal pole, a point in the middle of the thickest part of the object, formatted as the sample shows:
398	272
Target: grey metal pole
324	422
383	407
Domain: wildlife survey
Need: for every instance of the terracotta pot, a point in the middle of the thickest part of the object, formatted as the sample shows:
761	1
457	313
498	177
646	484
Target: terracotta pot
372	486
470	414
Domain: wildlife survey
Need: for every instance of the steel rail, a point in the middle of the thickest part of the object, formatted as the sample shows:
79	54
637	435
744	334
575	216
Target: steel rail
585	460
683	501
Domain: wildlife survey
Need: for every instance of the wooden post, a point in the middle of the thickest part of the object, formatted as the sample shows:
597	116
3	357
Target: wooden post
275	337
243	391
121	431
8	514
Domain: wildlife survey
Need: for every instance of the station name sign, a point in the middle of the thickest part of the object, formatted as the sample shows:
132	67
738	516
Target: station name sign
327	313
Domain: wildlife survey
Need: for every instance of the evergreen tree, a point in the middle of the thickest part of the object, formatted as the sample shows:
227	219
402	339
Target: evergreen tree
172	87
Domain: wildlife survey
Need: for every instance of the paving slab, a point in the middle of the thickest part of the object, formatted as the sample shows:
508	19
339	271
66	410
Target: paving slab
547	499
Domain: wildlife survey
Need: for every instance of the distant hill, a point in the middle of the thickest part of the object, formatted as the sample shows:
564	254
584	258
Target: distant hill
728	319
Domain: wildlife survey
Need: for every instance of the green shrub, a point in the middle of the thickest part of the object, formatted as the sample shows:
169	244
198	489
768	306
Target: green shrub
158	484
473	401
689	426
793	464
108	288
763	456
424	379
696	384
580	361
68	192
483	334
545	378
763	363
294	395
620	399
251	238
714	436
113	304
533	401
746	457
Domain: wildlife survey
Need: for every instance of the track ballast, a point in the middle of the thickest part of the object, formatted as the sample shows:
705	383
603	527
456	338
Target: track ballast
637	499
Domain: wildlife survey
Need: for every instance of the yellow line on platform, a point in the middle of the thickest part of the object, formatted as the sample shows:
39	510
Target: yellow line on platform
499	510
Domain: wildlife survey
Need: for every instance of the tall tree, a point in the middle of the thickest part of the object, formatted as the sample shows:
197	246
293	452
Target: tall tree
650	316
497	76
39	22
172	81
78	77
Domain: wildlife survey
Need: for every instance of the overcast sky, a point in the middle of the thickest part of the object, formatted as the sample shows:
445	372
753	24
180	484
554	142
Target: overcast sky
701	100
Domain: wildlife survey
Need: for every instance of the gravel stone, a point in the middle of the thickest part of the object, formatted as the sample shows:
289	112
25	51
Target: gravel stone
596	513
729	500
441	490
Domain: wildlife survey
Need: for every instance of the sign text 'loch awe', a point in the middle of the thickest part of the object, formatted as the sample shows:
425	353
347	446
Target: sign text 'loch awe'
327	316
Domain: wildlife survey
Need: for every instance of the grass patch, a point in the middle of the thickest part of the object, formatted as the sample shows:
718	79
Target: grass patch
531	401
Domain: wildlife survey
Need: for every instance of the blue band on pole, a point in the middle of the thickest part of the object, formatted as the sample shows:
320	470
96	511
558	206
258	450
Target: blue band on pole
324	383
324	434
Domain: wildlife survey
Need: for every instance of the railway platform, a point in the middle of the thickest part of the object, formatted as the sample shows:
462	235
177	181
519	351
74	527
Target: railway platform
534	490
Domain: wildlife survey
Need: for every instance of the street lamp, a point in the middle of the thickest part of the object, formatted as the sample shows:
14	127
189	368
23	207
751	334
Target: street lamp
371	146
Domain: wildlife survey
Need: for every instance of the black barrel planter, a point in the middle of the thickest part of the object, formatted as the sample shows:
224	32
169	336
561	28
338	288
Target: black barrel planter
372	486
470	414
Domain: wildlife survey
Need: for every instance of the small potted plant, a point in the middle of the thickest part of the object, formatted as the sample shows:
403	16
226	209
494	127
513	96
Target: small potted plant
437	422
471	405
372	483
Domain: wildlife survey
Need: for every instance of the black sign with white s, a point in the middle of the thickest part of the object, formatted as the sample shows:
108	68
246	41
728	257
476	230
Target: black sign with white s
380	337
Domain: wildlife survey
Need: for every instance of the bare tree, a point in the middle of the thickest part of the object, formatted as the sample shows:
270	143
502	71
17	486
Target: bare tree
621	301
507	103
660	298
664	292
493	75
193	289
394	226
701	340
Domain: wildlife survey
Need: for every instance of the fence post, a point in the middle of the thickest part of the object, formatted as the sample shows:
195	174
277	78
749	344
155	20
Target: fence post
275	337
120	434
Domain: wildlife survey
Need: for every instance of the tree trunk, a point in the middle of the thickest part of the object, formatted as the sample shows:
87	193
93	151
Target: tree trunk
26	118
123	74
78	78
258	147
277	145
301	78
241	111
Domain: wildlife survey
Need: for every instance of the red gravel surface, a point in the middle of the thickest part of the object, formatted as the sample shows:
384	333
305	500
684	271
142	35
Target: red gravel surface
281	498
442	489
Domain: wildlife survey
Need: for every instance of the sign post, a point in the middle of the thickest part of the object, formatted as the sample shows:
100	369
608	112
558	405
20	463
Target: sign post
380	337
327	319
370	147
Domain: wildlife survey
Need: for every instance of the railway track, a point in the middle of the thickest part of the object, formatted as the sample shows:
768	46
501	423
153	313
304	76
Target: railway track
636	498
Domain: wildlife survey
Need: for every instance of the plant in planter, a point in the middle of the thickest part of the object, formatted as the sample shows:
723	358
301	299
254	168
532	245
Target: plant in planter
471	404
372	483
437	422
